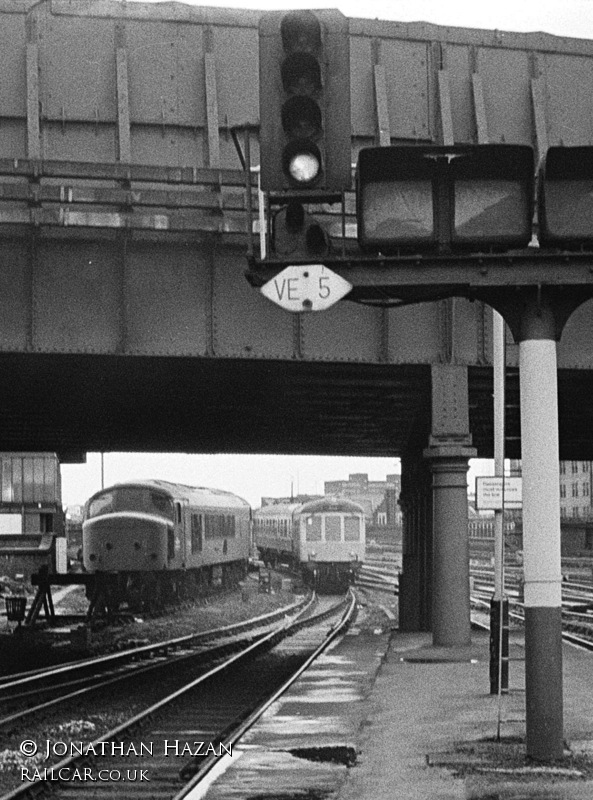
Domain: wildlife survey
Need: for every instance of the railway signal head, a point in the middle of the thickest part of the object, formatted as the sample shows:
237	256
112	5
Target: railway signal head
297	236
445	199
304	79
565	198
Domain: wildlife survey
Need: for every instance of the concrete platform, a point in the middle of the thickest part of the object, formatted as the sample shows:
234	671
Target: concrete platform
392	718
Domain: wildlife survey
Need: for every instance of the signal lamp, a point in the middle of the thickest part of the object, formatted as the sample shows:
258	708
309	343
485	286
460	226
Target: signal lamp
432	198
565	198
298	235
301	32
301	119
301	74
302	162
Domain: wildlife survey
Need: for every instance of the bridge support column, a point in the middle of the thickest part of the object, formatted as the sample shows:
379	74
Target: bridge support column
448	455
415	589
451	625
541	532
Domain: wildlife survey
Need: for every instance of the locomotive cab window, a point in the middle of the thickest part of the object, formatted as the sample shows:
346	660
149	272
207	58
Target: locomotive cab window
131	498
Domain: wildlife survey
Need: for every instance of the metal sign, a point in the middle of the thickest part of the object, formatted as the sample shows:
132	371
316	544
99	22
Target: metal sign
490	495
311	287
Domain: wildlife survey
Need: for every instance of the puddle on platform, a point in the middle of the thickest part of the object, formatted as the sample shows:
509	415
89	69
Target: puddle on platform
334	754
311	794
453	660
507	796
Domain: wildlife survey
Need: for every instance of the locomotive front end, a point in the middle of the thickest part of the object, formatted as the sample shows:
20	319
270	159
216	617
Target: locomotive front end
128	529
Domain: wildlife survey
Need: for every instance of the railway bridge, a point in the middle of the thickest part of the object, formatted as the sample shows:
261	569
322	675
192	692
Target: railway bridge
126	320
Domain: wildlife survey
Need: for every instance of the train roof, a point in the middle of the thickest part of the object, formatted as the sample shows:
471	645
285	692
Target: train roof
317	506
331	503
195	495
278	509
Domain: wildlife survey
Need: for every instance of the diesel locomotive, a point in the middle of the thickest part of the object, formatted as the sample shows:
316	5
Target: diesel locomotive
323	539
150	542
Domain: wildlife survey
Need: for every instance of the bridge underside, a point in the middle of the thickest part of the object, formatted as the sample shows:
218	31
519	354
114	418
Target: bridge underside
77	403
90	403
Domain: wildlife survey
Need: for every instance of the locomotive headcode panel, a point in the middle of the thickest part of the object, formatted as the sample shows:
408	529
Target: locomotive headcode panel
153	541
323	539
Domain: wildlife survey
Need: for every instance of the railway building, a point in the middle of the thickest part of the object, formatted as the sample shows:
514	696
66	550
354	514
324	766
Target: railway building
32	531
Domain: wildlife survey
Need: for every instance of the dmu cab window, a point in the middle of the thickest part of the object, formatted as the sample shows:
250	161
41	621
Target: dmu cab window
333	529
132	498
351	529
313	529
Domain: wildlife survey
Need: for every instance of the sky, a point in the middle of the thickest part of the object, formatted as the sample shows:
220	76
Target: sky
560	17
255	476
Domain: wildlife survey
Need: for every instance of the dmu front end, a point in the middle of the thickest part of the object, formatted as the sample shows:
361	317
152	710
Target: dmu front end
324	539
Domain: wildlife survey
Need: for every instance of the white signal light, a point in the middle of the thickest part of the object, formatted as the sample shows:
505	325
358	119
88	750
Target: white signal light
304	168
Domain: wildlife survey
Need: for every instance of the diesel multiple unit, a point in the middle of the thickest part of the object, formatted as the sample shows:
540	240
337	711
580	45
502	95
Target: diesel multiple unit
324	539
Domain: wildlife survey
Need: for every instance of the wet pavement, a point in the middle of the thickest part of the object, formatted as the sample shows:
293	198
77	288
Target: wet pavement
307	741
380	718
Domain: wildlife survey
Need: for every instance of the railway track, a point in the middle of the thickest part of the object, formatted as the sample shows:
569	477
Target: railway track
378	578
577	627
158	748
29	693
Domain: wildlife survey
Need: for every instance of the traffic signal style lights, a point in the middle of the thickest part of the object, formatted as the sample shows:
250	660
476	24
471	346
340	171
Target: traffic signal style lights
445	199
305	144
565	198
298	236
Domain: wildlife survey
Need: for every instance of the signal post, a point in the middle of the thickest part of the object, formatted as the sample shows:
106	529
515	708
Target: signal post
434	222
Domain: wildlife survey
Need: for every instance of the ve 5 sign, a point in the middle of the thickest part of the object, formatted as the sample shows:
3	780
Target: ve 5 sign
311	287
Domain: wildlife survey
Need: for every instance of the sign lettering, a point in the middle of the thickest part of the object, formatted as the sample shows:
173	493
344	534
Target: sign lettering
491	496
311	287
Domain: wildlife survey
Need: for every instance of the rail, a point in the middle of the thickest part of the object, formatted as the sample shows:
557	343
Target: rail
119	733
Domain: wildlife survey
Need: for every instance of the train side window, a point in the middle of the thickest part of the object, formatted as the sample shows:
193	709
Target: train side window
170	543
178	513
229	526
196	533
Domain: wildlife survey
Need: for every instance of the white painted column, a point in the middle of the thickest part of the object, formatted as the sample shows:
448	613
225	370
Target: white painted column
541	538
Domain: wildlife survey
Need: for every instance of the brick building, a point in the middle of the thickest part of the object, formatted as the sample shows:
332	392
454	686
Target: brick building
576	509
